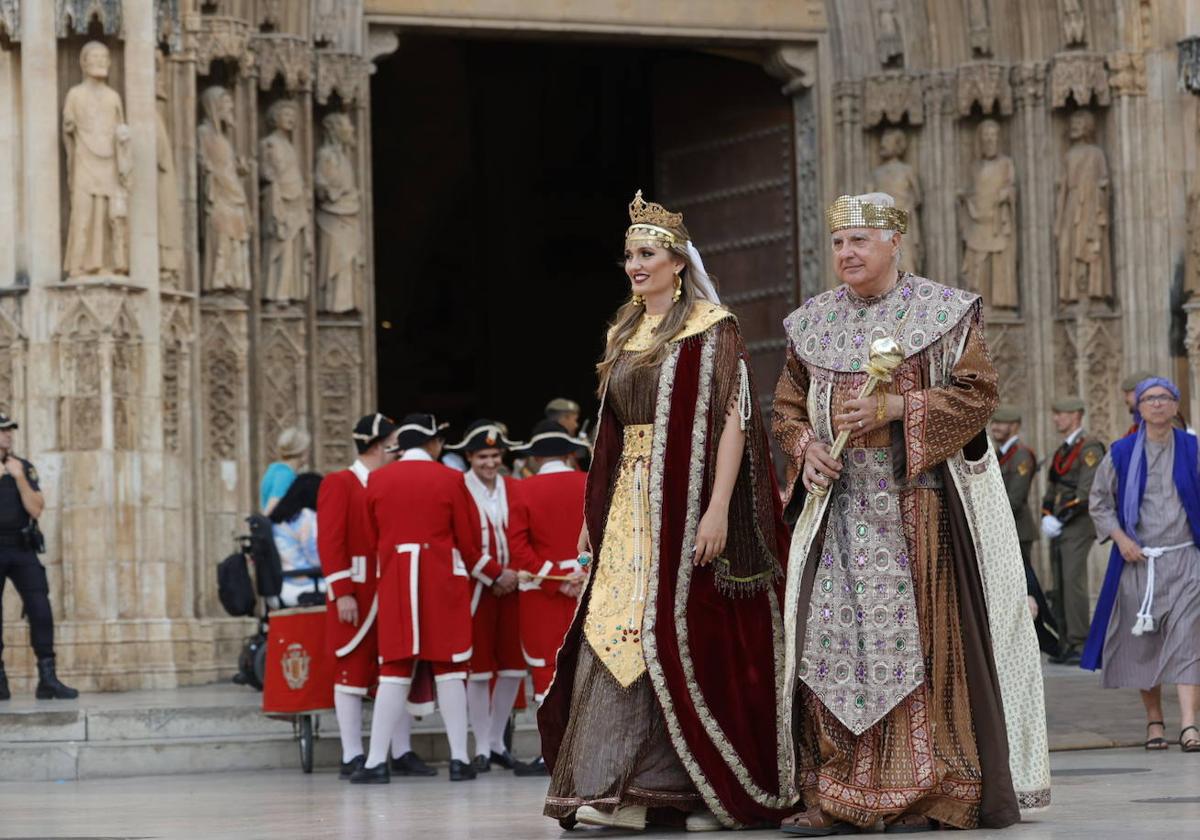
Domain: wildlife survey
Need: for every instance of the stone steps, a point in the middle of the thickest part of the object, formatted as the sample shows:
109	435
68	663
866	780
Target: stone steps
188	731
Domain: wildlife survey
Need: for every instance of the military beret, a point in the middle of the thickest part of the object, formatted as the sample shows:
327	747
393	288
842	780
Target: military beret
1131	381
1007	413
1067	404
562	404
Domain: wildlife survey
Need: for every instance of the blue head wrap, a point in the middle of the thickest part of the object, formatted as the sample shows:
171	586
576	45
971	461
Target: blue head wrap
1133	475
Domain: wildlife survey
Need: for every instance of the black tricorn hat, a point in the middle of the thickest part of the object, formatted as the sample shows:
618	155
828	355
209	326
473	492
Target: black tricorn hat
418	430
7	422
370	429
550	440
483	434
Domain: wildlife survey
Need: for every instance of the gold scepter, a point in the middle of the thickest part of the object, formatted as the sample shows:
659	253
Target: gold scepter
525	577
885	357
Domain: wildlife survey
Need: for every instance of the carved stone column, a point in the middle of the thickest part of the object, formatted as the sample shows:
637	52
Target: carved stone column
939	159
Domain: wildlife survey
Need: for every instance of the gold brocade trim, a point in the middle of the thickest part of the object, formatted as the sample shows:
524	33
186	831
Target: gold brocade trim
614	618
703	316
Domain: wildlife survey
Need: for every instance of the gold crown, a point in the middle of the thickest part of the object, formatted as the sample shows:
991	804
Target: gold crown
849	212
653	222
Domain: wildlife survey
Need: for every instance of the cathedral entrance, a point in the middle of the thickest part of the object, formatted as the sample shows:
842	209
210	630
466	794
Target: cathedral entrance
502	171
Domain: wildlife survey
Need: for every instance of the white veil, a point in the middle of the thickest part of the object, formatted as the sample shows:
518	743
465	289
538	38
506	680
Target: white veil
704	284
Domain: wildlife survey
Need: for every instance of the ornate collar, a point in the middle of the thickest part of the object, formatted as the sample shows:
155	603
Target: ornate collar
703	316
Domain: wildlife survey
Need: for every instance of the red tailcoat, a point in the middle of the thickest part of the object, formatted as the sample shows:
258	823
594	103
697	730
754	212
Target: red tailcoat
428	538
544	541
345	541
496	625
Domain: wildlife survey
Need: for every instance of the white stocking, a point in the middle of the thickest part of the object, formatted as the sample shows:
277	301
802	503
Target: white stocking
402	737
452	702
502	704
389	705
479	708
348	710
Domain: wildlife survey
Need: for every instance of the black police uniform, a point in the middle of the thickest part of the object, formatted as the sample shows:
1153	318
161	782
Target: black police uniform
19	563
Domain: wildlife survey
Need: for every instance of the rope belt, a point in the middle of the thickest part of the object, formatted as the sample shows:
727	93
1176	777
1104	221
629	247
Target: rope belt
1145	616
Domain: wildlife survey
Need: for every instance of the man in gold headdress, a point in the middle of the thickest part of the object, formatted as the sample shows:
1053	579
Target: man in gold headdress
905	582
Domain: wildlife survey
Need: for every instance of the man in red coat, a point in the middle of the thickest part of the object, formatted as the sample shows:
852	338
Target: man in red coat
495	625
427	537
344	543
544	543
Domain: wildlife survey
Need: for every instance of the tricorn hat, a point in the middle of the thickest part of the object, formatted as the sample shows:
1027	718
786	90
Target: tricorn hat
418	430
1068	403
7	422
1007	413
483	434
550	440
371	429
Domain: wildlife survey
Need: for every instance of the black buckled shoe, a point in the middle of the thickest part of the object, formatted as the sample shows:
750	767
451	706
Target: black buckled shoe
460	771
504	759
411	764
377	775
348	767
481	764
537	767
49	687
4	692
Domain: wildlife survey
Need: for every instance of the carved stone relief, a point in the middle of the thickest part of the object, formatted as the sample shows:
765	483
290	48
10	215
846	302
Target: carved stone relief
893	97
1189	64
1082	216
985	85
176	381
1029	83
74	17
339	221
979	24
77	346
340	389
847	103
11	355
284	203
1127	73
342	73
271	14
1191	282
99	164
222	39
286	57
10	19
989	265
227	219
126	379
1079	77
1100	339
1066	351
888	41
281	374
167	25
897	178
222	376
1074	22
1007	345
170	209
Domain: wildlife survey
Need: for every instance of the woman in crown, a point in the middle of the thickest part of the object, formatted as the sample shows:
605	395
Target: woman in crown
663	704
912	670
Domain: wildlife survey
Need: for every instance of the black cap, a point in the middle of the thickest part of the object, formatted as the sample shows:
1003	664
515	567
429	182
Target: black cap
483	434
550	440
7	422
418	430
371	429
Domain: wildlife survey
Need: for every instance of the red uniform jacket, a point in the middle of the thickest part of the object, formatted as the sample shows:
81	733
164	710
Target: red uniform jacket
428	537
545	536
345	541
496	554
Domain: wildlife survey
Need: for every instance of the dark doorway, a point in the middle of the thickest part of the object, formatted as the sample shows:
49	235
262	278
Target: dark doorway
502	172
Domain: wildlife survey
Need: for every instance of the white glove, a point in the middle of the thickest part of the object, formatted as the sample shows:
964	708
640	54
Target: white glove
1051	526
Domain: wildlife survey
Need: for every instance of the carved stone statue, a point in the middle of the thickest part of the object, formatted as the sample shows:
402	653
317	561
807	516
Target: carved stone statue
99	163
899	180
227	220
284	208
1082	218
1074	22
1191	282
980	26
989	264
170	211
887	34
339	229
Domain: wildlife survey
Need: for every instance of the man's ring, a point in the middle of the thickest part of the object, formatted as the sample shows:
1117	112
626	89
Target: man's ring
860	424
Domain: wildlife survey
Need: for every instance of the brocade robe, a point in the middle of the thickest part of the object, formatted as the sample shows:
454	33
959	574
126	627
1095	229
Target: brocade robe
906	580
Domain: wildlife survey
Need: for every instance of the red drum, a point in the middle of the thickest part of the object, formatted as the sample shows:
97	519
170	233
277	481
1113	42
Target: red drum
299	672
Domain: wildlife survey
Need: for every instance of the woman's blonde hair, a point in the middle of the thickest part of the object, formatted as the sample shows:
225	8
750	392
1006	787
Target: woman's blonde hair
626	319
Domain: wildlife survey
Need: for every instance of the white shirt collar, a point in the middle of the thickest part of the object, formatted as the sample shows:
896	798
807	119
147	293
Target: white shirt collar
1074	436
416	454
361	471
551	467
1009	444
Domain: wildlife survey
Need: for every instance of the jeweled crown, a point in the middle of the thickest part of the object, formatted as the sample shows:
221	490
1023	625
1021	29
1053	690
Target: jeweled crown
849	212
652	221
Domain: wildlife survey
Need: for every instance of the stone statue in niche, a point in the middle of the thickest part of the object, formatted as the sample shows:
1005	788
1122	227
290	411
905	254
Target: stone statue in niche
1074	22
339	230
981	28
1191	281
989	265
899	180
227	220
284	208
1082	218
99	165
887	34
170	211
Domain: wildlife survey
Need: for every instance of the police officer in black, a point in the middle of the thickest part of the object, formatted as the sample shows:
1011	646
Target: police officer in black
21	503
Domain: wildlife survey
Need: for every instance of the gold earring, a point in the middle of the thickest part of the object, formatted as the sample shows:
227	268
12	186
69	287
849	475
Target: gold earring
638	300
678	289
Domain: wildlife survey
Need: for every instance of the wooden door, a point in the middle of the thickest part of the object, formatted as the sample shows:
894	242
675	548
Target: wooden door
723	157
